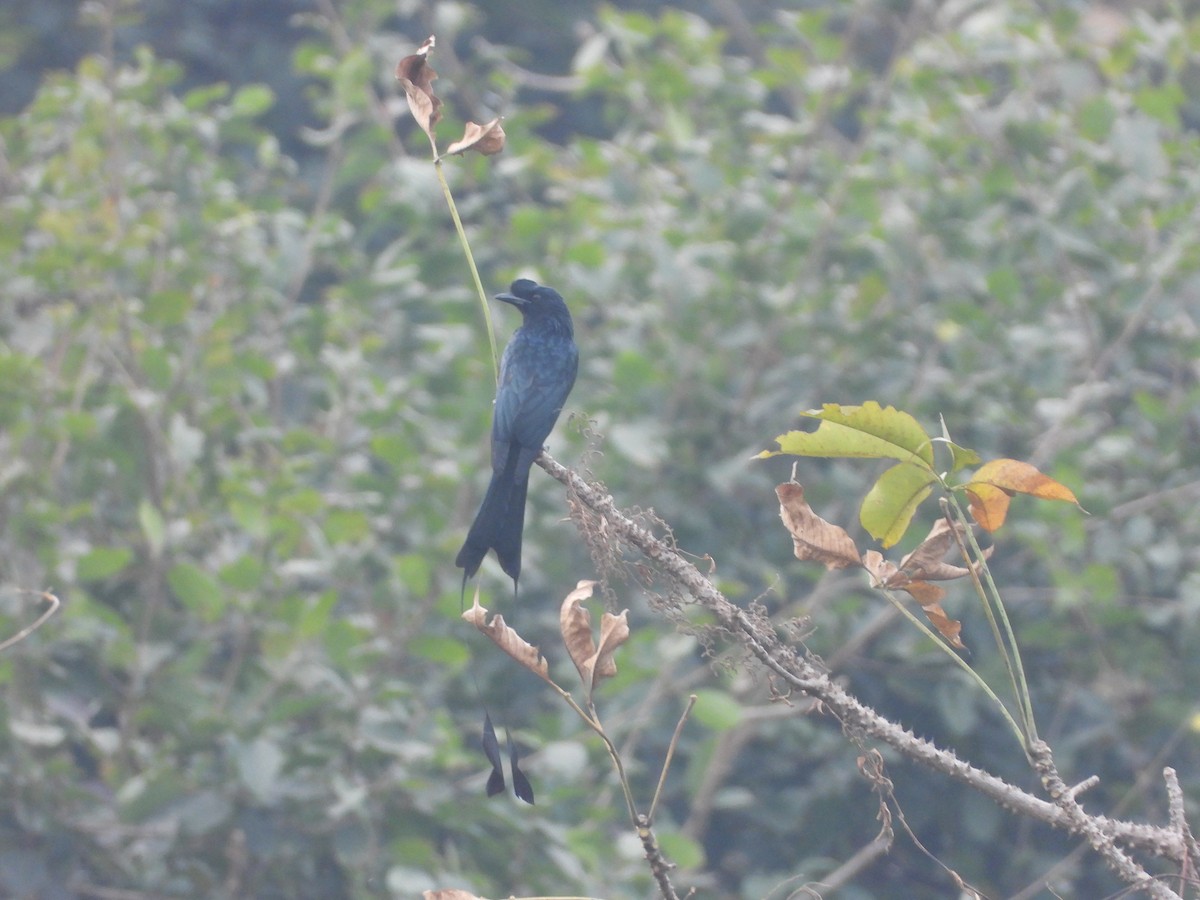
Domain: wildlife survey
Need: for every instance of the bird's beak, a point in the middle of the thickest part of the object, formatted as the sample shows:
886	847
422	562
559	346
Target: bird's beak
511	298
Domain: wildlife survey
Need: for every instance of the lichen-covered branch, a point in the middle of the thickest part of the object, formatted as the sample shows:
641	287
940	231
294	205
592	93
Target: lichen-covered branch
756	634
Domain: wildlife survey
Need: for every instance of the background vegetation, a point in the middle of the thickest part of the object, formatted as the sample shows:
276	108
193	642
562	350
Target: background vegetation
245	393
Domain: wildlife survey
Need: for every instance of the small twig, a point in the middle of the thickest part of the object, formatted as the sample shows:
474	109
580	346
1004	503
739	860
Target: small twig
1102	841
41	620
662	778
1188	870
802	675
1086	785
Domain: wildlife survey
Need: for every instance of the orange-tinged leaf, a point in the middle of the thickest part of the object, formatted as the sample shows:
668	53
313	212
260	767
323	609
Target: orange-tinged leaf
813	537
486	139
1016	477
950	629
988	504
506	638
925	593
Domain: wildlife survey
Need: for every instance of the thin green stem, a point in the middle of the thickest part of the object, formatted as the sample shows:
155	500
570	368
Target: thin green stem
958	661
993	604
1023	695
592	719
462	239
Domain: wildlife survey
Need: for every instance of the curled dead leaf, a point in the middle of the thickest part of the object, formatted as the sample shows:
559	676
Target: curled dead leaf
950	629
812	536
886	574
881	570
926	561
575	623
416	76
507	639
486	139
614	631
593	662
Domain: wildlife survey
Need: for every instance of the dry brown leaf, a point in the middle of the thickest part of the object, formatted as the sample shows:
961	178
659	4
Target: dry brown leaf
885	574
486	139
614	631
949	628
924	593
881	570
812	536
926	563
416	77
506	638
575	622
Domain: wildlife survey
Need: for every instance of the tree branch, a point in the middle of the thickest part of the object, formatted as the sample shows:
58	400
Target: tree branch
756	634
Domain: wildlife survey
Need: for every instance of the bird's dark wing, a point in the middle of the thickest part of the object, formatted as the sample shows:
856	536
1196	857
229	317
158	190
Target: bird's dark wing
536	375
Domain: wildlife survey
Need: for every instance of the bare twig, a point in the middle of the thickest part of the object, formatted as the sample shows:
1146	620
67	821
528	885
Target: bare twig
759	637
54	604
662	778
1101	840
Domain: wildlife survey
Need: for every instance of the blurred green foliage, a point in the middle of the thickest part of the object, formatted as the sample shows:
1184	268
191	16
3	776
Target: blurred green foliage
244	399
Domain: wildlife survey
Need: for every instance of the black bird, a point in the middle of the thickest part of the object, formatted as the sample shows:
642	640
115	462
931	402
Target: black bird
537	371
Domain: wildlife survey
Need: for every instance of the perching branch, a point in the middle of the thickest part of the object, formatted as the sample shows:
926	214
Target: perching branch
757	635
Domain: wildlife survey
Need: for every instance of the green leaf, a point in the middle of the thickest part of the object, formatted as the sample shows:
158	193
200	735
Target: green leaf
1004	284
889	506
414	572
250	515
961	457
252	100
315	617
440	649
197	590
716	710
868	431
153	527
1096	118
393	449
343	526
102	562
244	573
1162	102
681	849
